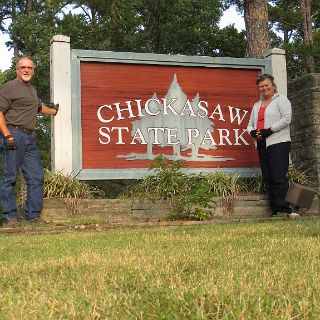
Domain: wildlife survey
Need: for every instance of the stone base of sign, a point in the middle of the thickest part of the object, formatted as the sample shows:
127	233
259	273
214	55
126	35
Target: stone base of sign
128	210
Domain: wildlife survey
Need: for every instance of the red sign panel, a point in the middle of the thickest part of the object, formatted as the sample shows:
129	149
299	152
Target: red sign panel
131	113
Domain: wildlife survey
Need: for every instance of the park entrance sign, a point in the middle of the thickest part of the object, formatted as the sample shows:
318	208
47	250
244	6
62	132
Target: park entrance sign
121	110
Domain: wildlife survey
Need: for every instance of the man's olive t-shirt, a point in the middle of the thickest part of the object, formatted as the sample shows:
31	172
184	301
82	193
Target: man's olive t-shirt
19	103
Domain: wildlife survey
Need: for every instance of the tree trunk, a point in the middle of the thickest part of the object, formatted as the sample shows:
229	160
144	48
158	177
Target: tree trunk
29	12
307	33
114	22
285	36
256	21
14	41
29	7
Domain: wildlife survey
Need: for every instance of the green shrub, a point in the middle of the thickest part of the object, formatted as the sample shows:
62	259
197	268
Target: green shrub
186	194
189	195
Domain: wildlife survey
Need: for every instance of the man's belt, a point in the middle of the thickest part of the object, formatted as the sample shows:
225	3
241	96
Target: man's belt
20	128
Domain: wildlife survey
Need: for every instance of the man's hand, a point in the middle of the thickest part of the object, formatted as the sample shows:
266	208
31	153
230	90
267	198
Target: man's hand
10	142
265	133
54	106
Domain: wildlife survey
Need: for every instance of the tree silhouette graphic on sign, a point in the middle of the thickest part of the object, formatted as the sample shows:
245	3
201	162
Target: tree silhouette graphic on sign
176	122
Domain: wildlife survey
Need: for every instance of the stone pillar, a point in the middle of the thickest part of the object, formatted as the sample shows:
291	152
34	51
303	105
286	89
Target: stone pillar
304	94
60	90
277	67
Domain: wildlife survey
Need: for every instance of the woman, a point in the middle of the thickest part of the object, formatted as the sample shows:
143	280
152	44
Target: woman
269	125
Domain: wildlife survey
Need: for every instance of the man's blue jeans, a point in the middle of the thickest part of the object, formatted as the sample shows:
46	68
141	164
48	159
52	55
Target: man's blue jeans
26	157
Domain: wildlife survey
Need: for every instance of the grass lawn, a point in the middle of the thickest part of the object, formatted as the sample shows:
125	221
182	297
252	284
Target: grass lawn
266	270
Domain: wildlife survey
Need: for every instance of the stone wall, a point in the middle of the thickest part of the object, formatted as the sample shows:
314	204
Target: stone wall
304	94
128	210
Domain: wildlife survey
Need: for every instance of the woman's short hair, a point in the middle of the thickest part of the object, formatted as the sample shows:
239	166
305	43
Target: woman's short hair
264	77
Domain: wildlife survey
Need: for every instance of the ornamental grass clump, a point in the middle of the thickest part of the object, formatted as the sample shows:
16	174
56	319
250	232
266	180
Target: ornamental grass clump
225	186
251	185
255	185
58	185
299	175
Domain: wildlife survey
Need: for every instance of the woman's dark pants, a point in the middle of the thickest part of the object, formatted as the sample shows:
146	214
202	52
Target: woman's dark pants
274	163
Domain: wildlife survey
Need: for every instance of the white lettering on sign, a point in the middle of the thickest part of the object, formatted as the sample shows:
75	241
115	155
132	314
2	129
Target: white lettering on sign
235	114
173	121
157	134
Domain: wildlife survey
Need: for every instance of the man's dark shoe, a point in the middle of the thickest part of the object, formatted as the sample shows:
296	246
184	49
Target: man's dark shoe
9	223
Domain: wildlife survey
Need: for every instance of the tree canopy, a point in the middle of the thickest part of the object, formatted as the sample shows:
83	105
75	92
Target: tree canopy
188	27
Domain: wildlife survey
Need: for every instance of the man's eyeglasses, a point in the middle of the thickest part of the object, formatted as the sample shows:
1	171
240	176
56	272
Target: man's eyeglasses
26	68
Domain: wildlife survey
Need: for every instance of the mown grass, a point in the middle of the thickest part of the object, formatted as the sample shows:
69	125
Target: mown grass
246	271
